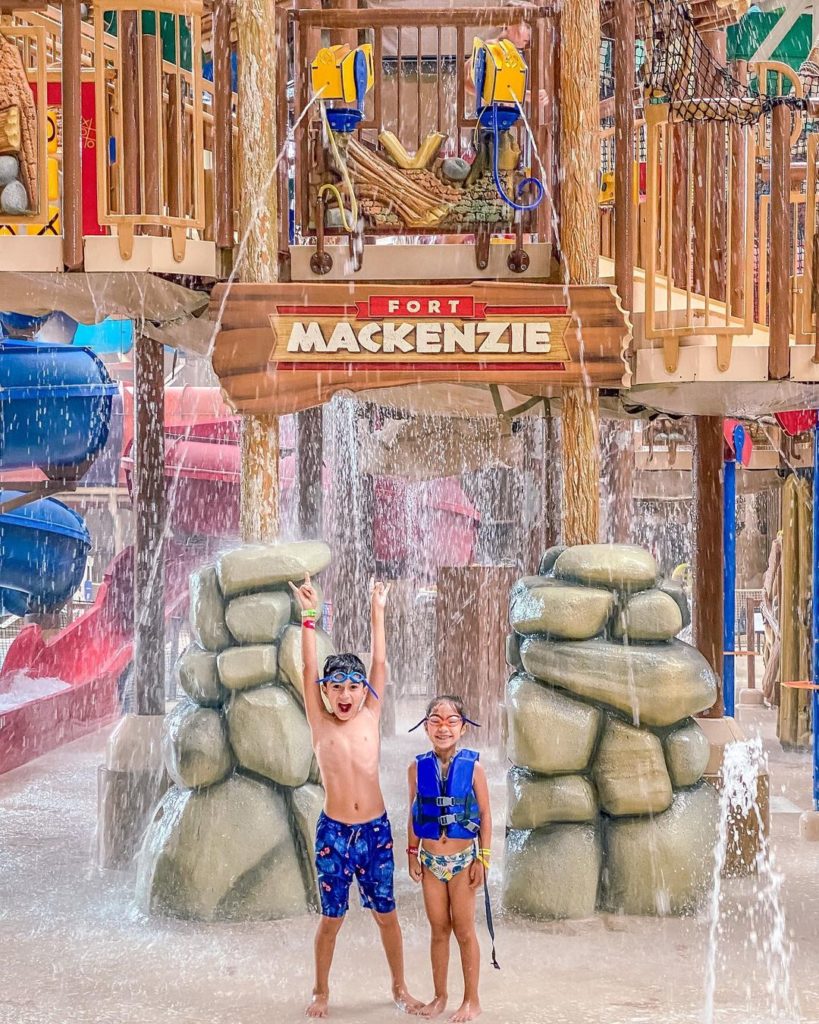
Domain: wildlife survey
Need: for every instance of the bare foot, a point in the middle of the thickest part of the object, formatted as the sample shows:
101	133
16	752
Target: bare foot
433	1009
405	1002
318	1006
466	1011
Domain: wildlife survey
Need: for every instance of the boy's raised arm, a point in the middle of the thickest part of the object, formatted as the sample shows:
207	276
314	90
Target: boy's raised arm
378	666
308	599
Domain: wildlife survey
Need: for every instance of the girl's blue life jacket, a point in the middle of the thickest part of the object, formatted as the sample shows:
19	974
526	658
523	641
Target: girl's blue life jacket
446	807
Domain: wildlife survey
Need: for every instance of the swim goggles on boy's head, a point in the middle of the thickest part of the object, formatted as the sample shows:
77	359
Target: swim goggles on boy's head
338	677
451	721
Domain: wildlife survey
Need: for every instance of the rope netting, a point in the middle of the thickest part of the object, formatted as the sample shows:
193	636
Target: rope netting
682	70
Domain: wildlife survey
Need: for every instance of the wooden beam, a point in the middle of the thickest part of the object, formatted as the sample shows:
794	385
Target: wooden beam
579	234
707	611
150	509
72	135
624	152
780	262
222	126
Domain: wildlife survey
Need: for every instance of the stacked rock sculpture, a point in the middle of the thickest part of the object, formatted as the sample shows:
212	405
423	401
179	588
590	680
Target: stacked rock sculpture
233	838
607	808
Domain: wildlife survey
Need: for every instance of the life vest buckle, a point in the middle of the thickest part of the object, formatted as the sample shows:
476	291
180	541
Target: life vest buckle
447	819
444	801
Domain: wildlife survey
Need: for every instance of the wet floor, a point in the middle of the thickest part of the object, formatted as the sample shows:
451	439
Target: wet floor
74	948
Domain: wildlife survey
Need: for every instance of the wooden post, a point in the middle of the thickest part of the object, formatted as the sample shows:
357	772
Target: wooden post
72	136
256	26
738	156
311	462
130	111
624	149
152	167
222	126
579	234
150	514
259	509
707	611
551	482
779	320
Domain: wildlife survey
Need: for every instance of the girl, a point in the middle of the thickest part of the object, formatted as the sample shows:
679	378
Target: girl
449	832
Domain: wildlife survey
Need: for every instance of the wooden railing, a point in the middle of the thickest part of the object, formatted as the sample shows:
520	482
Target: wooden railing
699	209
127	85
150	104
727	228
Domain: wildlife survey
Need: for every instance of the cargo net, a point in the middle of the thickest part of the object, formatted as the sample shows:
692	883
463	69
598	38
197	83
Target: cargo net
682	70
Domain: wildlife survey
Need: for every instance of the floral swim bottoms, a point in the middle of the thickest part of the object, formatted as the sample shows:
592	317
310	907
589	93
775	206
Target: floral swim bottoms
445	866
363	852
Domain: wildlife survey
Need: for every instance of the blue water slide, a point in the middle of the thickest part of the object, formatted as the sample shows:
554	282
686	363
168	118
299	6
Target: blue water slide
55	410
55	407
43	550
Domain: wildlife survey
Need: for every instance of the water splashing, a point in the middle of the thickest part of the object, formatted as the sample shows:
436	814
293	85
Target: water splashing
765	926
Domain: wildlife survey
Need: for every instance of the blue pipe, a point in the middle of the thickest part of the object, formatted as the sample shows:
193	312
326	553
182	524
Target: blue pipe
815	617
729	573
501	120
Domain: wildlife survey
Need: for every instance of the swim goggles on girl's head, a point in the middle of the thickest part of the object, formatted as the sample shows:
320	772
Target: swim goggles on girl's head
338	677
451	721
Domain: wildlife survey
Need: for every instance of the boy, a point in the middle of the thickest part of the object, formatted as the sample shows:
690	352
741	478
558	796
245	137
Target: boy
353	836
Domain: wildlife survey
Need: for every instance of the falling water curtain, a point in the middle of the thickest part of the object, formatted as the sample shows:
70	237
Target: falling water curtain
794	727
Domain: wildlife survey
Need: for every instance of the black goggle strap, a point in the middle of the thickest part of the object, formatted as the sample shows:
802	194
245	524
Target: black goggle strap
364	682
463	719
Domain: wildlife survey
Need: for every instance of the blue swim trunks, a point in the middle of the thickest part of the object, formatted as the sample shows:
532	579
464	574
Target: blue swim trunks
363	852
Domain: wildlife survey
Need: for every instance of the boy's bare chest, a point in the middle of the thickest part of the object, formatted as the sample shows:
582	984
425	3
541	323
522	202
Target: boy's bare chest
352	743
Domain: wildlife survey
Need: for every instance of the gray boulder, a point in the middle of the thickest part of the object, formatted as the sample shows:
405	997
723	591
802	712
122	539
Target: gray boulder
513	651
455	168
195	747
538	800
199	678
553	873
307	805
663	865
548	732
261	566
676	592
270	736
562	610
649	616
686	753
630	772
241	668
207	614
550	556
619	566
657	685
14	199
9	169
222	853
290	661
258	618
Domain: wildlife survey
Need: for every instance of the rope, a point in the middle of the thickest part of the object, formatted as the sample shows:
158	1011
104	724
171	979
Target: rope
345	176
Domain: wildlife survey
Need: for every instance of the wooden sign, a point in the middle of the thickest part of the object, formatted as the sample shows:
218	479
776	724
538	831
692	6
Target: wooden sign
421	330
285	347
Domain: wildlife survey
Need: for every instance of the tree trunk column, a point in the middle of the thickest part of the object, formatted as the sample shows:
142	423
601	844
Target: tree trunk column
707	611
579	240
151	513
256	27
259	509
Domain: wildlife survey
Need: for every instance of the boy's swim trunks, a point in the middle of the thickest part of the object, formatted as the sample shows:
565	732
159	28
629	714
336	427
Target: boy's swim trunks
363	852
